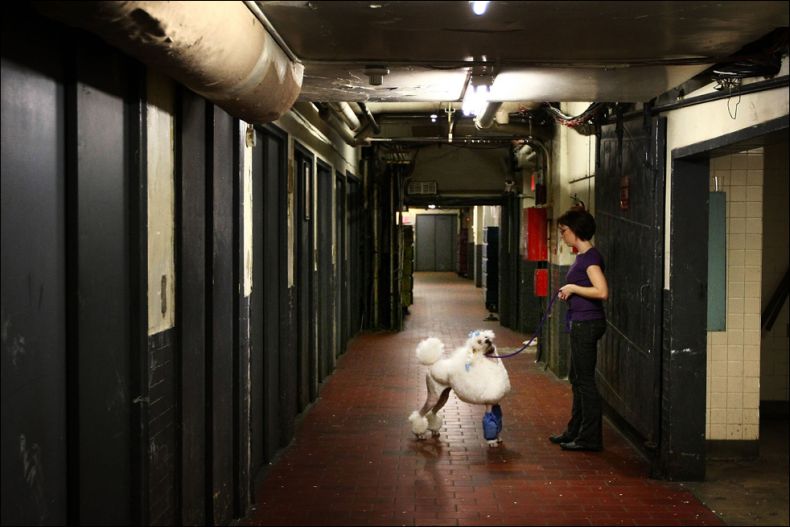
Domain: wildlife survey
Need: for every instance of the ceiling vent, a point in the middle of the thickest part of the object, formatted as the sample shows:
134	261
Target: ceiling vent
421	188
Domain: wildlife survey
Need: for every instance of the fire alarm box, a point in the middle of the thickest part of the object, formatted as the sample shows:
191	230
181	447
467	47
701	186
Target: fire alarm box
542	282
536	235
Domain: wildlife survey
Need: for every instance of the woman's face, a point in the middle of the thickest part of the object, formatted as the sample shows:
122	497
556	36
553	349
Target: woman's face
567	235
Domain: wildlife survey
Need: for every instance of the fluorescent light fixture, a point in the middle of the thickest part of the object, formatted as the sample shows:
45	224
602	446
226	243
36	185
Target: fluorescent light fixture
479	7
475	99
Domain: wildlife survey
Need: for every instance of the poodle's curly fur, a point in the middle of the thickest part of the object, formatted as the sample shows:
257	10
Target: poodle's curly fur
476	376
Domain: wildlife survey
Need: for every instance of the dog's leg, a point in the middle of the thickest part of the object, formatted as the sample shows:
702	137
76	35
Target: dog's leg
434	419
418	419
433	397
442	400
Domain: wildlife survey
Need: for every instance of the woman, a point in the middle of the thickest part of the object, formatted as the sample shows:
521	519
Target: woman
585	291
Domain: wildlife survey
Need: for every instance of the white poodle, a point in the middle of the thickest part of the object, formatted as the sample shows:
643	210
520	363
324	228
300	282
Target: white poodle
476	375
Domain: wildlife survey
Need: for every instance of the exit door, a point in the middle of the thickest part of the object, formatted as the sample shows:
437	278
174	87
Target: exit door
436	242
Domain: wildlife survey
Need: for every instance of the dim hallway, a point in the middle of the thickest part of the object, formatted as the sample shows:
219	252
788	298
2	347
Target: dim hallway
355	461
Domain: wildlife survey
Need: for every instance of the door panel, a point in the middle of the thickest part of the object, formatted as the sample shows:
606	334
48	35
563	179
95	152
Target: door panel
34	358
426	234
325	272
436	242
306	332
629	216
445	243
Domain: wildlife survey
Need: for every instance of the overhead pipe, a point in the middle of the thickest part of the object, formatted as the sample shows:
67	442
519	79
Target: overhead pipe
486	119
371	120
333	119
345	112
217	49
533	142
255	10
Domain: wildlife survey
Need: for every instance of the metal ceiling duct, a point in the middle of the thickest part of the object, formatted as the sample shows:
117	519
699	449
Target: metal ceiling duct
217	49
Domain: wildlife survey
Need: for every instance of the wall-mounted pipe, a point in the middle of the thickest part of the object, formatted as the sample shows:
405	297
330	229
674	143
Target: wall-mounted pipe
219	50
532	142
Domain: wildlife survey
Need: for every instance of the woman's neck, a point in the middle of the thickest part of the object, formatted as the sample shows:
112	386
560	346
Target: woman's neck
582	246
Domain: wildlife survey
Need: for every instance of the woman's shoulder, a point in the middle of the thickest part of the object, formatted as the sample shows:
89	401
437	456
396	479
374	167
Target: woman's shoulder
593	257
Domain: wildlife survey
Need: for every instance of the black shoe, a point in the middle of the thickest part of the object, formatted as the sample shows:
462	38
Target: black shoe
562	438
573	445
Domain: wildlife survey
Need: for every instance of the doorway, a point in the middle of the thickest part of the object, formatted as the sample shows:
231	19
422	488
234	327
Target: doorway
436	242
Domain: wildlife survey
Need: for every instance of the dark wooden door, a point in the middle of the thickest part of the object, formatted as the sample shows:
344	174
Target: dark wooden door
305	316
341	271
267	305
325	274
629	198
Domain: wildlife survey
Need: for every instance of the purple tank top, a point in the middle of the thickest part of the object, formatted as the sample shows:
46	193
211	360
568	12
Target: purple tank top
579	307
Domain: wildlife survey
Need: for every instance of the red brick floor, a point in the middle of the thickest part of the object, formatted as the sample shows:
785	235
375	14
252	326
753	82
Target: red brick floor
354	460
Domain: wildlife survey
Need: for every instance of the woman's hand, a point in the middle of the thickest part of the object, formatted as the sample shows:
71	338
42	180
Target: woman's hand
566	291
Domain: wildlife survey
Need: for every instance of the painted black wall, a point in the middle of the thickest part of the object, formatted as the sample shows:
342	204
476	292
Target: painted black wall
102	424
73	268
509	261
684	364
33	364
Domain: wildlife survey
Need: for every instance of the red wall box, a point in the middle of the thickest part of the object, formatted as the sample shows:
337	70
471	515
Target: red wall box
536	233
542	282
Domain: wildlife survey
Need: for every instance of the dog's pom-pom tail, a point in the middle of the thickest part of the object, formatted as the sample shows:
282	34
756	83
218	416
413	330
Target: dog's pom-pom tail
419	424
430	350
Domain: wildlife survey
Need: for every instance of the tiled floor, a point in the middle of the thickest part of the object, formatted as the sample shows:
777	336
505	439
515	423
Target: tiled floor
354	460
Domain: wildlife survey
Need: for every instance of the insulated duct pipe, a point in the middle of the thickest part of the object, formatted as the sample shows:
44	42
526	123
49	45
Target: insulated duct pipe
217	49
344	110
371	121
486	119
332	117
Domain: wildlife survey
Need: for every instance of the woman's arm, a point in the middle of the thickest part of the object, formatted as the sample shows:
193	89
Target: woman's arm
598	291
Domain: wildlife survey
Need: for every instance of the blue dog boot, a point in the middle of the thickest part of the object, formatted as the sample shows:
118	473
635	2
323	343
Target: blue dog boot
490	427
497	411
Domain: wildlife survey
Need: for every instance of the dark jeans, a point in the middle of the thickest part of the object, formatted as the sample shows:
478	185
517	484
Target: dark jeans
585	424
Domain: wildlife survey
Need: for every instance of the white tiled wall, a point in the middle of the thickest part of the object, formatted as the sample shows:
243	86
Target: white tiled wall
733	387
775	343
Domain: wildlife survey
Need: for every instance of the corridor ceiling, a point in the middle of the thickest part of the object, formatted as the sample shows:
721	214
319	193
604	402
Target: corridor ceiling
531	51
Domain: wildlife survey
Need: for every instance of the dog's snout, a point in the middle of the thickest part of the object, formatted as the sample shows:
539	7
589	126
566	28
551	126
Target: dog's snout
488	341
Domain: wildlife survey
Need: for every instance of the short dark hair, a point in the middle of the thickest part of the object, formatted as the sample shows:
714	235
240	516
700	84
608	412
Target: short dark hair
580	222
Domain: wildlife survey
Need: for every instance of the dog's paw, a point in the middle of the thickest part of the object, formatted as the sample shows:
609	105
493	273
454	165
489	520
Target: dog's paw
493	443
419	424
420	437
434	423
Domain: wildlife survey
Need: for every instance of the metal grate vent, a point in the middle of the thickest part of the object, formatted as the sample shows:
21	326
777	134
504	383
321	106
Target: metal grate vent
425	188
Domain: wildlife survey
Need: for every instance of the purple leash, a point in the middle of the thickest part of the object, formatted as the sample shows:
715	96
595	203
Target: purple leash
537	330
